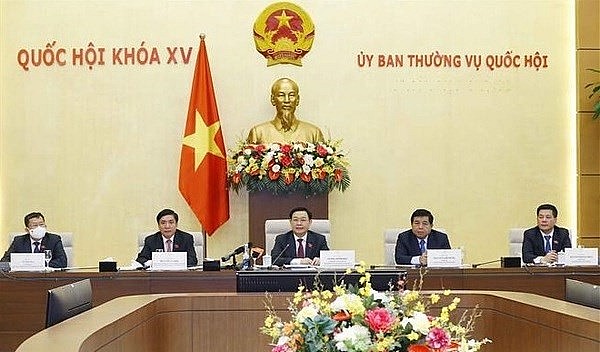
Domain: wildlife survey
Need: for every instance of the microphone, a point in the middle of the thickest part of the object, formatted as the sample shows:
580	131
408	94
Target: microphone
237	251
280	254
485	263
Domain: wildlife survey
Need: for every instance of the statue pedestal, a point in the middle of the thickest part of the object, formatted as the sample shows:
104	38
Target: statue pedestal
264	205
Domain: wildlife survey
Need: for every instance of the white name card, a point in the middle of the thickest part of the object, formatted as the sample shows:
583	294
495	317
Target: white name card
444	258
27	262
581	256
338	259
169	260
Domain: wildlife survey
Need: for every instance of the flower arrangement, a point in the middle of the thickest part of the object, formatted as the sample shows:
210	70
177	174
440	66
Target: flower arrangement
360	319
280	168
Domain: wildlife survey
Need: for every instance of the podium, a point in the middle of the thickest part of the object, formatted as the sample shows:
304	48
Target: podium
264	205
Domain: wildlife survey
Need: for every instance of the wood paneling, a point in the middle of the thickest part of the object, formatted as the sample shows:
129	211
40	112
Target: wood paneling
589	206
586	59
231	322
587	13
588	131
23	295
587	23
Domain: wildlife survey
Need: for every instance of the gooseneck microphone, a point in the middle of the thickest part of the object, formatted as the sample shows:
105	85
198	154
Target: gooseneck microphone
486	263
280	254
237	251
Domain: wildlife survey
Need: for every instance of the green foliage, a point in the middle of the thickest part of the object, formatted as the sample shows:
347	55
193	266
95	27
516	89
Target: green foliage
595	91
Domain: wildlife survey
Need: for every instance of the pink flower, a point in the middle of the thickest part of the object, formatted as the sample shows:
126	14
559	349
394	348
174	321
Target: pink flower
280	348
437	338
379	319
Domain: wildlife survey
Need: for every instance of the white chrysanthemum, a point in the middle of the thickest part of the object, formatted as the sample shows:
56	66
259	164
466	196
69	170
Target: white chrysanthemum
356	338
274	147
310	147
381	296
329	150
305	169
307	312
247	151
276	168
297	146
283	340
308	160
345	302
241	160
419	322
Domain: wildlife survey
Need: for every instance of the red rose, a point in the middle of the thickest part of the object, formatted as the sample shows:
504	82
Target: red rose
286	148
305	177
236	178
379	319
321	150
286	160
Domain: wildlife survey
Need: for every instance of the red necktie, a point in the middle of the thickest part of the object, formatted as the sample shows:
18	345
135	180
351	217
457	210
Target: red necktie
300	249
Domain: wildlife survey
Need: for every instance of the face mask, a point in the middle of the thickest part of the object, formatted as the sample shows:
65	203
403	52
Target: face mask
37	233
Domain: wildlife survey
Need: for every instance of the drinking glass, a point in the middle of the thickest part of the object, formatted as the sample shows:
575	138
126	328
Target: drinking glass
47	256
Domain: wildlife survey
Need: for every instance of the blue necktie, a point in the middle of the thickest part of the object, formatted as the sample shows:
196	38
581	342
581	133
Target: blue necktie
37	247
548	246
422	246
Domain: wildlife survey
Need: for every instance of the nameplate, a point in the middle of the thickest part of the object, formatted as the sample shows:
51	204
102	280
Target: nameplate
581	256
27	262
169	260
444	258
337	259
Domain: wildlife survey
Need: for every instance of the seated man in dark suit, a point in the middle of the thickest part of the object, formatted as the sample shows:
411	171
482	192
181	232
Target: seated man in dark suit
412	245
37	240
300	245
168	239
542	243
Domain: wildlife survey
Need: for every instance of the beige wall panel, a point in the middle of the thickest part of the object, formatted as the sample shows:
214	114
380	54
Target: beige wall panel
97	150
588	132
589	206
588	24
586	59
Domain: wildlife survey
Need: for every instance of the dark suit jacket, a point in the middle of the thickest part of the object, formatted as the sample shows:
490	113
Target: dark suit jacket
22	244
407	245
534	243
182	242
315	242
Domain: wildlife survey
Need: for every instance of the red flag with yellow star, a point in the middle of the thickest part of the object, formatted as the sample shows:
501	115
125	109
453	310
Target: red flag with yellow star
203	165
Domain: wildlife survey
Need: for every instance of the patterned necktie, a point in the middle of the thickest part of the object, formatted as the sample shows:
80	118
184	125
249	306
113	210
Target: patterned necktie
169	248
300	249
422	246
37	247
548	246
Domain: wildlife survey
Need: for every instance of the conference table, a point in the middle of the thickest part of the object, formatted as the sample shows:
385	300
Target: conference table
23	295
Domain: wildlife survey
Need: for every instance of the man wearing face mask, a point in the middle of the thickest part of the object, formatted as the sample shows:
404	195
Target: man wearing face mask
37	240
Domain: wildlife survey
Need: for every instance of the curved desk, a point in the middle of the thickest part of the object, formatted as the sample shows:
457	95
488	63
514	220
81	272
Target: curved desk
230	322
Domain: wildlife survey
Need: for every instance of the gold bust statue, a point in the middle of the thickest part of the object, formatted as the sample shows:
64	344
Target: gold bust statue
285	126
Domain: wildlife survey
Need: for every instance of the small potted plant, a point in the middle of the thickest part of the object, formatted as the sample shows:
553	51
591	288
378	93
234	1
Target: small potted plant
595	88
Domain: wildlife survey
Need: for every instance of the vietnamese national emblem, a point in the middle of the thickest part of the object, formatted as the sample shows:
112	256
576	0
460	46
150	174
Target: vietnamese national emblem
283	33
